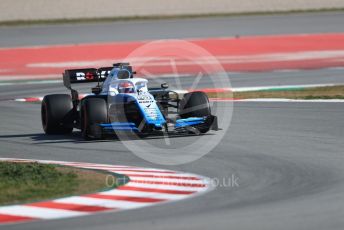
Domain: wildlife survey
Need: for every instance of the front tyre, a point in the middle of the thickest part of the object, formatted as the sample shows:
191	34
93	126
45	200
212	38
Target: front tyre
195	104
57	114
93	112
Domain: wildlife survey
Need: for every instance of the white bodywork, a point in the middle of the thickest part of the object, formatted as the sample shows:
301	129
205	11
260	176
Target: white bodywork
110	86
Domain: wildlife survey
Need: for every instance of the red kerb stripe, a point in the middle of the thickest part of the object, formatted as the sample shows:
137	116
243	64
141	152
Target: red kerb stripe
67	206
32	99
10	218
126	198
165	191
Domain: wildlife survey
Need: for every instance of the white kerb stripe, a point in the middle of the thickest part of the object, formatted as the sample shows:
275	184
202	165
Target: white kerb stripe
37	212
102	202
97	165
156	175
128	170
166	187
144	194
134	169
166	180
128	173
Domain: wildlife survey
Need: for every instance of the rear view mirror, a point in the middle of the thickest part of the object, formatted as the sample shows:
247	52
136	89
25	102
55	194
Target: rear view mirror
164	85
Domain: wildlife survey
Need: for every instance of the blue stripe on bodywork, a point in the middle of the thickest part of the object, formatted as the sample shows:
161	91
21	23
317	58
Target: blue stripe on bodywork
117	124
180	123
128	126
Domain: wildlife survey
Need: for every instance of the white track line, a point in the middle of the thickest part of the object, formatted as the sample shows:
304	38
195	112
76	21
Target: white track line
276	87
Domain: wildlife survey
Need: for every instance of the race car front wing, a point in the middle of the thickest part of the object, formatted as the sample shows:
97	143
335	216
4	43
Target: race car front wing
180	125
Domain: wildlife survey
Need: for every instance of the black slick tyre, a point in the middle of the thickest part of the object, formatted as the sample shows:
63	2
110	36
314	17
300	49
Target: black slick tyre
195	104
93	112
57	114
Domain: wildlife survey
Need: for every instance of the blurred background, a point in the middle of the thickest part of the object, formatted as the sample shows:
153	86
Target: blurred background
81	9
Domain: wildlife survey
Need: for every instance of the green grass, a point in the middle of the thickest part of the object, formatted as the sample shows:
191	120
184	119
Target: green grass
26	182
324	97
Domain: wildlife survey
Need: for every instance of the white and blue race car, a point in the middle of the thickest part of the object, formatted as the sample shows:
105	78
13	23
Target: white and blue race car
123	103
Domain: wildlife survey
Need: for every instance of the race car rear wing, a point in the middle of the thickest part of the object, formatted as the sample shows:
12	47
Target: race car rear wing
72	76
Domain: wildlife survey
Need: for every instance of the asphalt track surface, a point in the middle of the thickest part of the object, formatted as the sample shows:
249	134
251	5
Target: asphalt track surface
165	29
288	156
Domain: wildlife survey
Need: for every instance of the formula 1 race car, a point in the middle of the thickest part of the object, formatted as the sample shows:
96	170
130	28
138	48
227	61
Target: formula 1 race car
121	102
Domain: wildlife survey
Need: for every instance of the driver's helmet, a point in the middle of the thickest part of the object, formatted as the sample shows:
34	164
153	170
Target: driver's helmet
126	87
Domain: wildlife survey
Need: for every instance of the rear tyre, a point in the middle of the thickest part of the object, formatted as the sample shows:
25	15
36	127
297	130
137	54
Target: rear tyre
93	112
57	114
195	104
